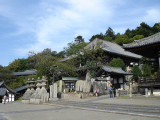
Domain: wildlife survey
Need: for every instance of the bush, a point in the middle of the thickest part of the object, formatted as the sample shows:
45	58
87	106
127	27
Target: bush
136	72
117	62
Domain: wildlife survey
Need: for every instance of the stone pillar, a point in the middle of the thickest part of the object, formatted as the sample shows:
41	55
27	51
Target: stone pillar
28	93
44	94
32	85
55	90
130	90
117	93
51	91
146	92
60	86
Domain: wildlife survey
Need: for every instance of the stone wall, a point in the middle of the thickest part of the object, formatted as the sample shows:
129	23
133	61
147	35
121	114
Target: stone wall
100	86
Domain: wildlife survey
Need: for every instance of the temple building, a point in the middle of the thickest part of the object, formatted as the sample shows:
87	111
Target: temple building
103	71
148	47
6	91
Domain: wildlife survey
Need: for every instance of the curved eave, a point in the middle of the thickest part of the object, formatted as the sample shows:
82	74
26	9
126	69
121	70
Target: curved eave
153	39
137	56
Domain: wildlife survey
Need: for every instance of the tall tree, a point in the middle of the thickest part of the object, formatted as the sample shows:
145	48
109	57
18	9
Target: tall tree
144	30
79	39
121	39
100	36
110	33
74	48
137	37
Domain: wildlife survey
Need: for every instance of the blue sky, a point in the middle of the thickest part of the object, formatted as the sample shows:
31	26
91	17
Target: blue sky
33	25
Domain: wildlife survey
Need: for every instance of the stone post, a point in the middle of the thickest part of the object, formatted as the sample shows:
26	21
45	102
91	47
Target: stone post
55	90
117	93
130	90
60	86
32	85
51	92
146	92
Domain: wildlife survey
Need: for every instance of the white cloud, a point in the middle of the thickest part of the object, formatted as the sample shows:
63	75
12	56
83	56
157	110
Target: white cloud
152	15
78	17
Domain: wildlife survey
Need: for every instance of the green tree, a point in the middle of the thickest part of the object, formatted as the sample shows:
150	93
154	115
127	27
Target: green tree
146	71
20	65
110	33
121	39
137	37
108	38
91	66
100	36
79	39
6	74
136	72
156	28
74	48
117	62
144	30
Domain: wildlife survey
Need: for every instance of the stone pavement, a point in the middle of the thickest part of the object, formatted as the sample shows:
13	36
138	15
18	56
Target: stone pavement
19	111
130	101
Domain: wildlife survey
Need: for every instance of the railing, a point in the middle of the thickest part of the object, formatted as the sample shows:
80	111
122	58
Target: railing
150	81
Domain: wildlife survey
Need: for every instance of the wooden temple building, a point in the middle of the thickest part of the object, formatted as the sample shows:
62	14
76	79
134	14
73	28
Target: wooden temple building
148	47
6	91
110	51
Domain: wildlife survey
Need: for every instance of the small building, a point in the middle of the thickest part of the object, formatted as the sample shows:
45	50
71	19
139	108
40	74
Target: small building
115	75
70	83
20	91
6	91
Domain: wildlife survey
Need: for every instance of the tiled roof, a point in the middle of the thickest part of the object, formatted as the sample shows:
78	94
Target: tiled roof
109	47
27	72
20	88
116	70
3	91
3	85
70	78
117	49
145	41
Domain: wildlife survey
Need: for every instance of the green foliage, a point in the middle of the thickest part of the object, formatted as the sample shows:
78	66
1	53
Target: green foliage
108	38
74	48
146	71
20	65
156	28
91	66
44	64
137	37
136	72
121	39
6	74
144	30
100	36
79	39
117	62
110	33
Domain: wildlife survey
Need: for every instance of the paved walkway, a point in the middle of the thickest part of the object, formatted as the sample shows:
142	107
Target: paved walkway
19	111
130	101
